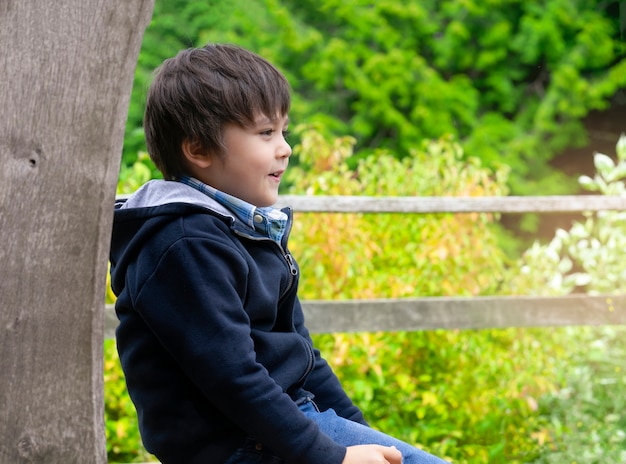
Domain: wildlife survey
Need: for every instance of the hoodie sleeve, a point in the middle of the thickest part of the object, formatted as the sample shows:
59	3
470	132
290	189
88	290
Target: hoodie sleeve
192	299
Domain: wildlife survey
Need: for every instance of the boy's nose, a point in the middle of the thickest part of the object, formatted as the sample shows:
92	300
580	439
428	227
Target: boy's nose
284	151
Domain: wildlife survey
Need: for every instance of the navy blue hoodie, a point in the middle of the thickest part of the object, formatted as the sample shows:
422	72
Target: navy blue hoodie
211	337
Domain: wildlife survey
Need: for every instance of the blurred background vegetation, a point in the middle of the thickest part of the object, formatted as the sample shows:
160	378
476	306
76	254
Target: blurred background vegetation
454	98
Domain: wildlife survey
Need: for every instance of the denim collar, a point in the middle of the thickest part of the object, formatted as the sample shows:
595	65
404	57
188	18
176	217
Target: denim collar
271	222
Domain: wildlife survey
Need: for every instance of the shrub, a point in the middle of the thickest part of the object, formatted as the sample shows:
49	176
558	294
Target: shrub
471	396
588	256
474	396
584	416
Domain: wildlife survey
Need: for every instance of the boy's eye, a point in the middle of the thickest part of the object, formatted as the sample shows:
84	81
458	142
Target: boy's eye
269	132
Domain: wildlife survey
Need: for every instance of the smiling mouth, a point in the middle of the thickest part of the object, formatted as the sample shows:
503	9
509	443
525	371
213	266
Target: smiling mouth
277	175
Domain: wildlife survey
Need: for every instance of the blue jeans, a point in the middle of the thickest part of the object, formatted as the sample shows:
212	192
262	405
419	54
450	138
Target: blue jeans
342	431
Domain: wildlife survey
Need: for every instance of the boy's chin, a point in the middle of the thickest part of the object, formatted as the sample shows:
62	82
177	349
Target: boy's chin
266	202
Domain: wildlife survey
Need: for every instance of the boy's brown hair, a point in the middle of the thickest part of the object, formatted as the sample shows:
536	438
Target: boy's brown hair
198	91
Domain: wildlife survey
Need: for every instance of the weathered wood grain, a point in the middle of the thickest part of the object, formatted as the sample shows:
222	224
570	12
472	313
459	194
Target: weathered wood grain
66	72
509	204
411	314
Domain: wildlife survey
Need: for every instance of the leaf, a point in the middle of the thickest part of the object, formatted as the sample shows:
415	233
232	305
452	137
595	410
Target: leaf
587	183
603	163
620	148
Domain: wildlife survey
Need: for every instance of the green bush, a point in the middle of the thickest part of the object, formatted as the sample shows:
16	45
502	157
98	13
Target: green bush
585	418
393	255
473	396
588	256
512	80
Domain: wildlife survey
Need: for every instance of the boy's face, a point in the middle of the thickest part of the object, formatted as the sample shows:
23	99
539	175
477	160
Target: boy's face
254	161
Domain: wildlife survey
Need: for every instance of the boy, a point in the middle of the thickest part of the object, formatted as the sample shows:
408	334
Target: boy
211	338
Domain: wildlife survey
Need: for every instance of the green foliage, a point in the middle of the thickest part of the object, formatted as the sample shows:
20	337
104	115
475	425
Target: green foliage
510	79
488	396
393	255
586	416
135	175
589	255
583	418
471	396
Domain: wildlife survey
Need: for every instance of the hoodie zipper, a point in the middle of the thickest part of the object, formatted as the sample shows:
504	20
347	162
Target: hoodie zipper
293	272
292	265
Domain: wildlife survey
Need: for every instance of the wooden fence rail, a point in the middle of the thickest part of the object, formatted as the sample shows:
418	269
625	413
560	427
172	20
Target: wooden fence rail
453	312
510	204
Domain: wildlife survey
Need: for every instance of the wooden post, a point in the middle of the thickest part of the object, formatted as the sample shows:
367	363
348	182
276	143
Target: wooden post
66	71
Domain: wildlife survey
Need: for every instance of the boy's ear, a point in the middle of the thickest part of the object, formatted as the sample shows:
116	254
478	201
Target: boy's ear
195	154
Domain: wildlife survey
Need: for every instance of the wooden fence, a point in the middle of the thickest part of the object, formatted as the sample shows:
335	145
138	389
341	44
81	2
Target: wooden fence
453	312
